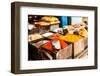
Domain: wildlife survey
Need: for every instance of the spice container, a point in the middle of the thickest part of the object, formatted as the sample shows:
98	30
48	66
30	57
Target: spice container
62	51
78	43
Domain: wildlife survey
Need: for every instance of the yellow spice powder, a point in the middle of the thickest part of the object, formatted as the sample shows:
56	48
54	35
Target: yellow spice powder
70	38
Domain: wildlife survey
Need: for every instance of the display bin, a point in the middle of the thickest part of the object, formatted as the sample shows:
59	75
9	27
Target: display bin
65	53
83	54
79	46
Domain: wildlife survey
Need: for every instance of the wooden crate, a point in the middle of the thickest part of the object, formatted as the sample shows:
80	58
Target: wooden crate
71	51
83	54
79	46
65	53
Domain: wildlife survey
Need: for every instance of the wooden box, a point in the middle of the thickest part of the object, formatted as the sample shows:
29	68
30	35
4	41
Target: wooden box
83	54
65	53
79	46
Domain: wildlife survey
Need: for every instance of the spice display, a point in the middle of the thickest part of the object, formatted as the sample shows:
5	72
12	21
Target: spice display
70	29
83	32
55	35
49	45
32	37
42	23
40	43
58	30
47	34
50	19
70	38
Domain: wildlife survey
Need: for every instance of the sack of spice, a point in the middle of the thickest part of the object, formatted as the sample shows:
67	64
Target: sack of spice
83	32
